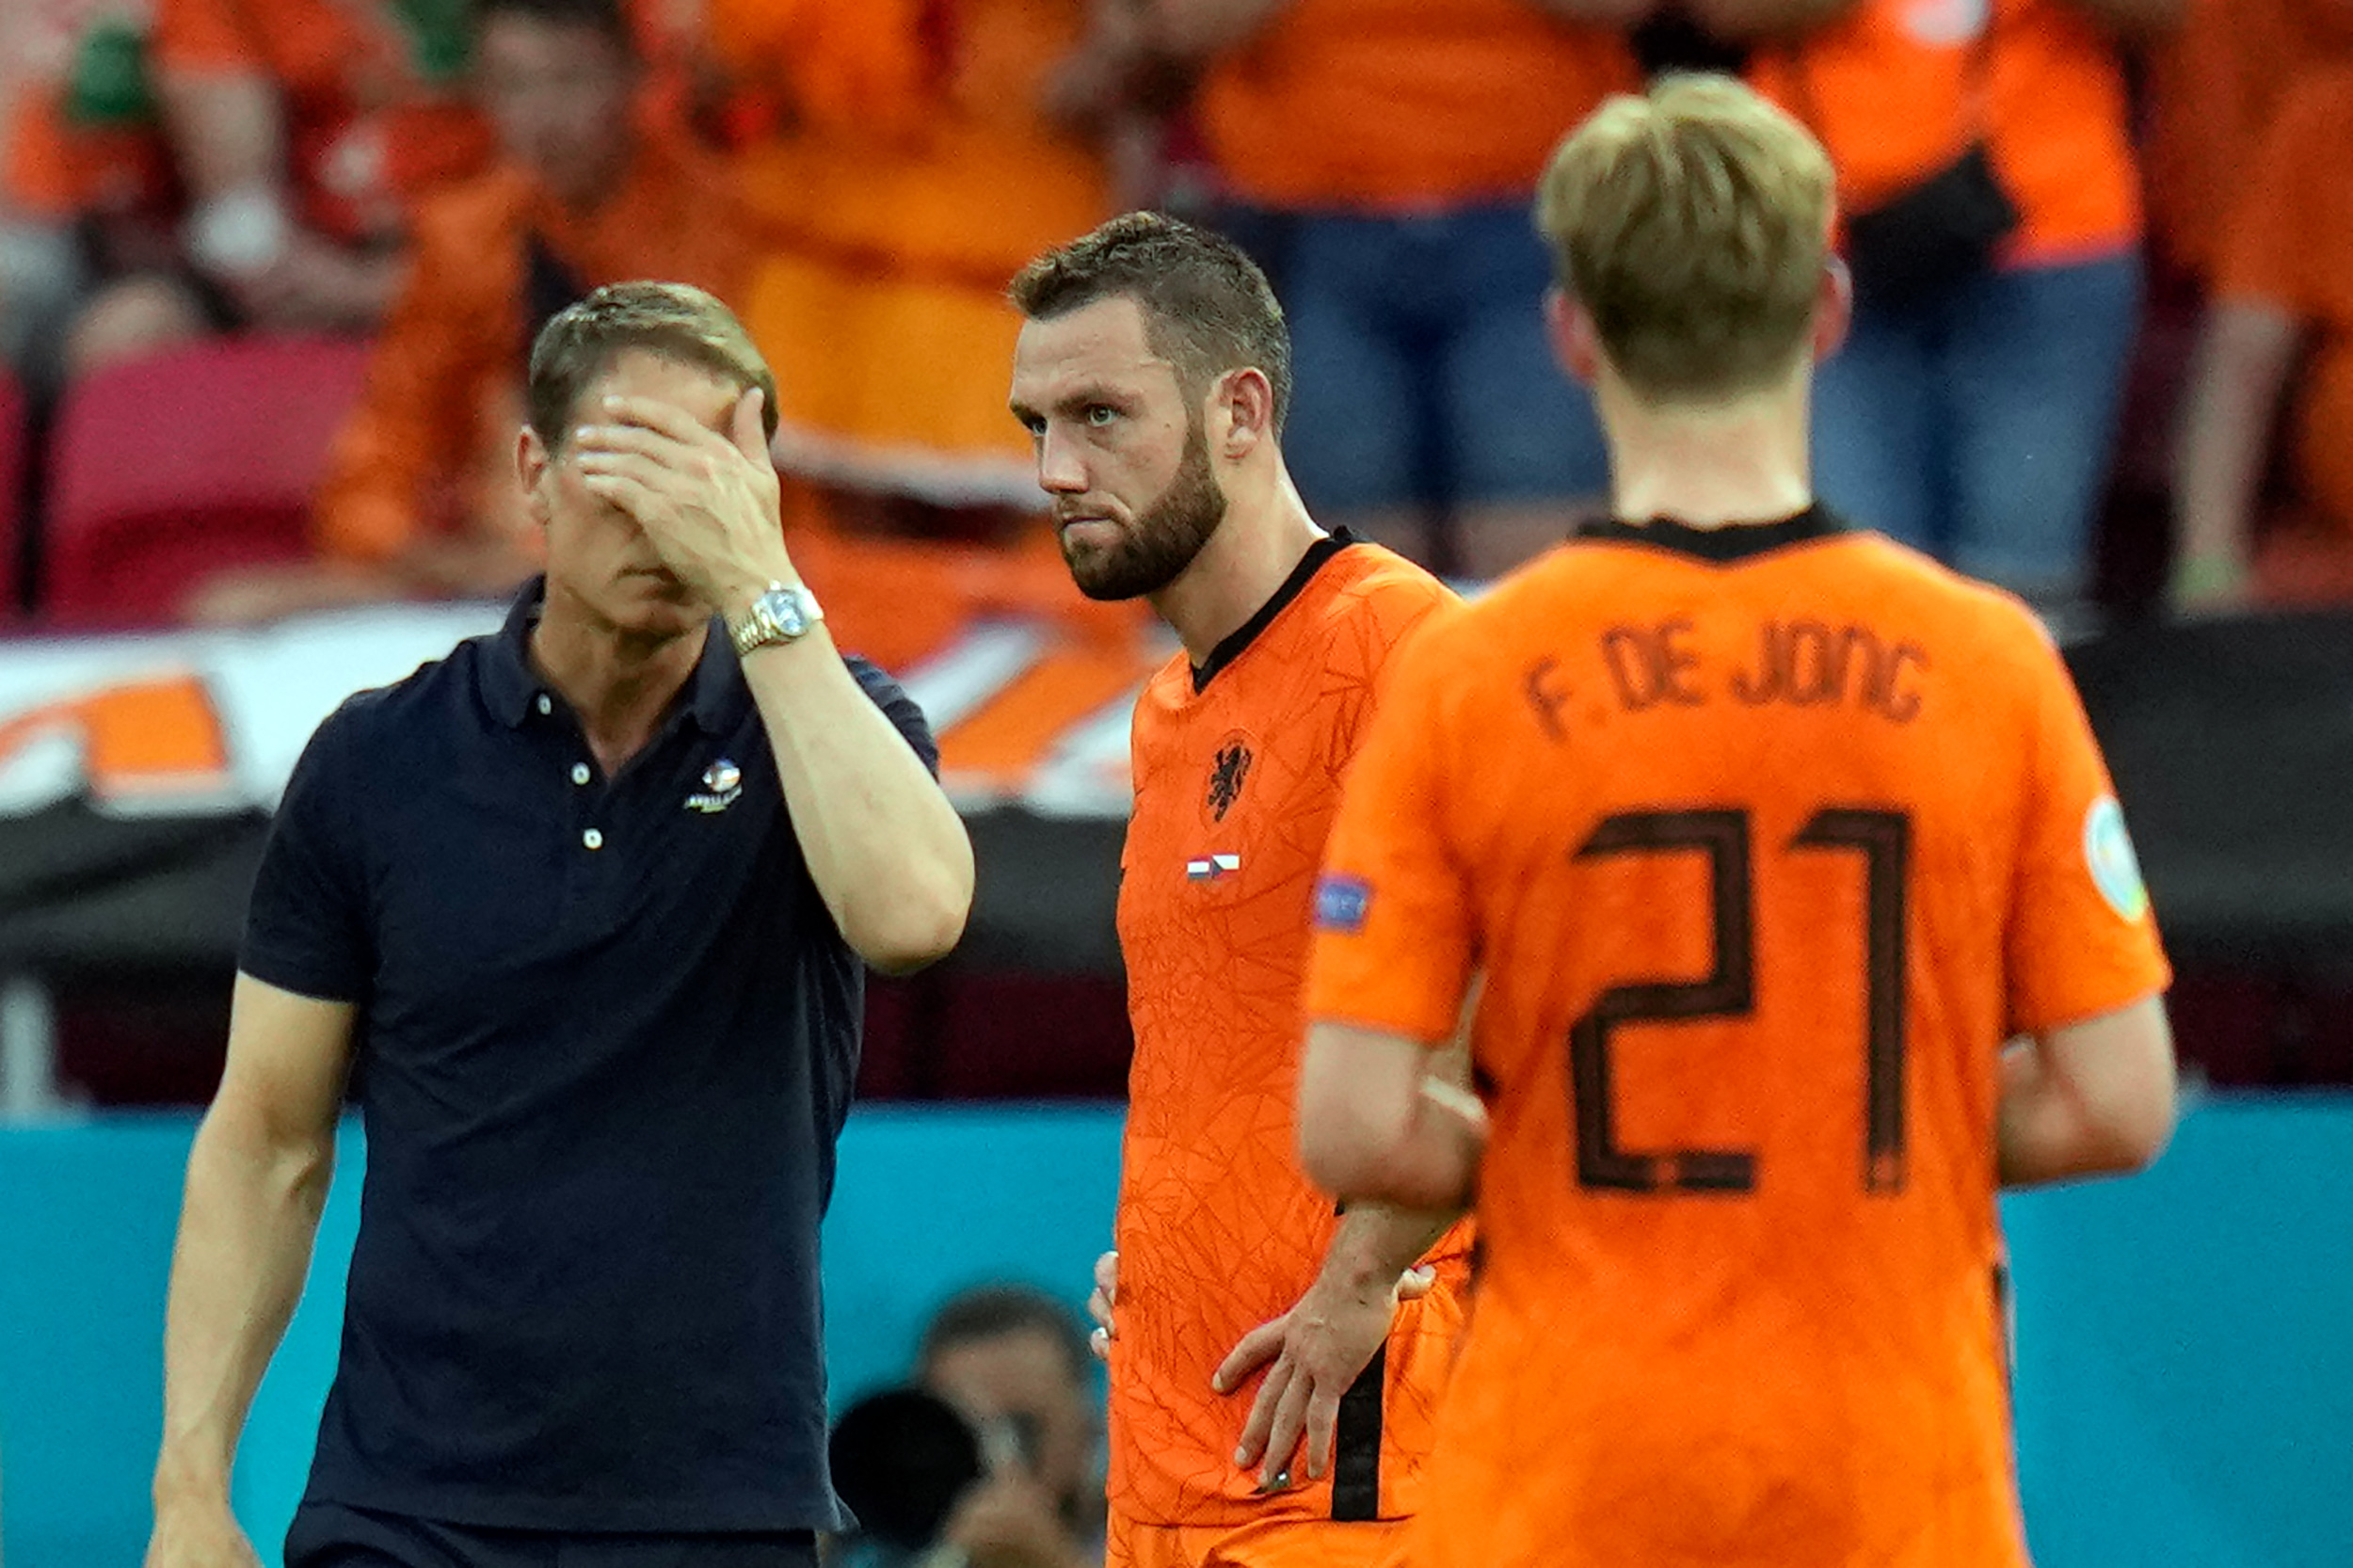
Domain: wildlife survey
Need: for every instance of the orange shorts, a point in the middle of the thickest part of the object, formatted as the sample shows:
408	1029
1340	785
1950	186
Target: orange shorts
1262	1544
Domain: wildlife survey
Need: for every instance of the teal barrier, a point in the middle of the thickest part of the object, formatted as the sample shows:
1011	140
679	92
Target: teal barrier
2185	1369
2186	1339
927	1202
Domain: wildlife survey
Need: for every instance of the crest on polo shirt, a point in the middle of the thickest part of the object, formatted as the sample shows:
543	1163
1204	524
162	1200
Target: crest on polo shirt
723	781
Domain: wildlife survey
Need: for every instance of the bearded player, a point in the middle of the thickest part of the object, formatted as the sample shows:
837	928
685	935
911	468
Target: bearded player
1274	1364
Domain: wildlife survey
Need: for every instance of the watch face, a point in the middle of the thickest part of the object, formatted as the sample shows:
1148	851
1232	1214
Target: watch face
780	614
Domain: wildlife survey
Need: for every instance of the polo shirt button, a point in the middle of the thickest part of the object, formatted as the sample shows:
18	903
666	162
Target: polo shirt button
580	773
593	838
546	705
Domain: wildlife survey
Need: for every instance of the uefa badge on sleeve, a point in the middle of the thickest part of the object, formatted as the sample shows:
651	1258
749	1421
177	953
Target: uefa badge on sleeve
1341	903
2109	851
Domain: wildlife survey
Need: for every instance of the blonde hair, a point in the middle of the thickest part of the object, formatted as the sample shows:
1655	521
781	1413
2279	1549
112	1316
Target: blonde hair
1693	224
673	321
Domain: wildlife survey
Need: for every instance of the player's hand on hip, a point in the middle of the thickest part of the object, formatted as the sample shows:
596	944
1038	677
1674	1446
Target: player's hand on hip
1318	1350
708	502
1099	1303
191	1535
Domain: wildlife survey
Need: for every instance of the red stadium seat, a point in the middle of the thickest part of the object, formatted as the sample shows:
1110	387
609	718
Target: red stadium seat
169	467
14	431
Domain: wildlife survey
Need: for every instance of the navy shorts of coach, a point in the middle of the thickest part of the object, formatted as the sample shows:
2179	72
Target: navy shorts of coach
607	1032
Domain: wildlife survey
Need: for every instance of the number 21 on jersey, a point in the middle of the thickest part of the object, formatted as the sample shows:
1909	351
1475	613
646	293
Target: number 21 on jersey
1882	840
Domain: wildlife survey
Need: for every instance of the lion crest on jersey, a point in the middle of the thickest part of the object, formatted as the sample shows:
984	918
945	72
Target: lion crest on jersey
1227	775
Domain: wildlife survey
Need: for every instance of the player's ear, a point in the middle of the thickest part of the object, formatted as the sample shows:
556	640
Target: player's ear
1833	308
1576	344
535	466
1245	398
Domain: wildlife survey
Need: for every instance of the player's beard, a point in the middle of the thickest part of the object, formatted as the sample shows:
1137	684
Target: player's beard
1164	537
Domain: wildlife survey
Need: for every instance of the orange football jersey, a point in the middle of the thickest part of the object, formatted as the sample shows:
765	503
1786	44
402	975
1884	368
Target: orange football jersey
1237	776
1765	839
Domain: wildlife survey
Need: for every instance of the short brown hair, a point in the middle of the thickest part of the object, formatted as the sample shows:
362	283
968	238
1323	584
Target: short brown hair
994	1311
675	321
1207	308
1693	223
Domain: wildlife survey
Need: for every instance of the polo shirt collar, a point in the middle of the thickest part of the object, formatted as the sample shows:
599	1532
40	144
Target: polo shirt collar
510	686
504	674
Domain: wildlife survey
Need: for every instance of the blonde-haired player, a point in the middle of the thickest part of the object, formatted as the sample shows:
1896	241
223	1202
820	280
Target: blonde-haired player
1766	833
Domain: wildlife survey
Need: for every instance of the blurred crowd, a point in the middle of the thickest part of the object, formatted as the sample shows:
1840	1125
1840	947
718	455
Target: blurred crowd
2104	282
990	1455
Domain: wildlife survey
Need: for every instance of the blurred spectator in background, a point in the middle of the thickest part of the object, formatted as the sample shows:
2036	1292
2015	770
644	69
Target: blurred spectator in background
1015	1361
2267	427
991	1458
1379	155
920	152
1992	221
84	177
301	133
917	165
2213	92
899	1458
297	129
594	184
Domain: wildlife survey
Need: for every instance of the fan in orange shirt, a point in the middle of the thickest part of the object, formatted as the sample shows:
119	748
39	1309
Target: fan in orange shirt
2264	495
918	166
1987	173
298	130
303	131
1379	153
1152	375
1765	835
417	497
2210	91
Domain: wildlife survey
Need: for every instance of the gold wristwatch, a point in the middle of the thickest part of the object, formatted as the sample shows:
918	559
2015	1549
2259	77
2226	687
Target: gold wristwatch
783	613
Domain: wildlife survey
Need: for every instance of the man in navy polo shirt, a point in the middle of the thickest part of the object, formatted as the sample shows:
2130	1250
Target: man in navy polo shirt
581	909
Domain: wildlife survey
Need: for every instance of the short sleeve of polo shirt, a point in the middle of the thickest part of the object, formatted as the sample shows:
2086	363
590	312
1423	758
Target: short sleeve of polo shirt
2082	940
307	928
899	708
1394	922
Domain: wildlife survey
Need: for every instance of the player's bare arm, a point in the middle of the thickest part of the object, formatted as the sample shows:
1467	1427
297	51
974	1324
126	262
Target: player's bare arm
1376	1121
885	847
258	1175
2089	1099
1321	1345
